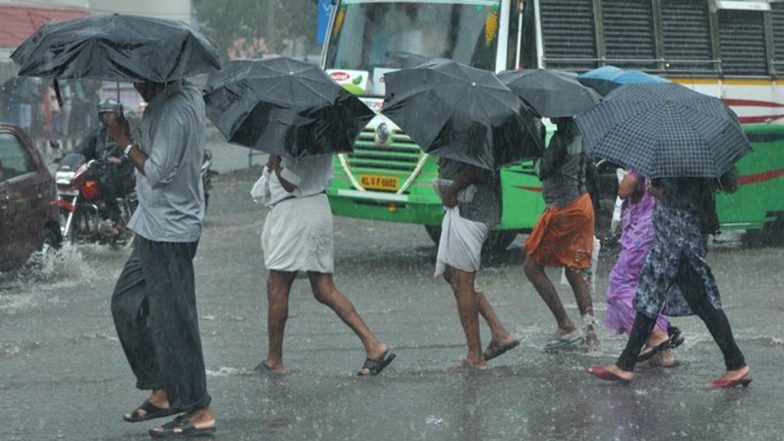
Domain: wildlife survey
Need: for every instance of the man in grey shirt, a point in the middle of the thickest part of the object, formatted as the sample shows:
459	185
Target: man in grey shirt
154	302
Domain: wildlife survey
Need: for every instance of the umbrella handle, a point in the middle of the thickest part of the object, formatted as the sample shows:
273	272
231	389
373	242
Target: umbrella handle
57	93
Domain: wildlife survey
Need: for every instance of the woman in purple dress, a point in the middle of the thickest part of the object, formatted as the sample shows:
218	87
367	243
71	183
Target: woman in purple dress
637	239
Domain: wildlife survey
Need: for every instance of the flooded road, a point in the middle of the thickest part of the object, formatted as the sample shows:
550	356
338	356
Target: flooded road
63	374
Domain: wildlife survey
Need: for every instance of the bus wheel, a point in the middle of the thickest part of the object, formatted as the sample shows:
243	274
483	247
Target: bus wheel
434	232
497	240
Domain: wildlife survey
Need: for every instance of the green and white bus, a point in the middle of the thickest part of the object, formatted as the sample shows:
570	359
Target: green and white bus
729	49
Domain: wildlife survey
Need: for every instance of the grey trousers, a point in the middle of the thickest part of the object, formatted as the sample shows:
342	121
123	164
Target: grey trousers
154	311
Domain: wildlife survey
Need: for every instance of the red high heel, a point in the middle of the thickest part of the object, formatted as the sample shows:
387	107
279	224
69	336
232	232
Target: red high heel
729	384
606	374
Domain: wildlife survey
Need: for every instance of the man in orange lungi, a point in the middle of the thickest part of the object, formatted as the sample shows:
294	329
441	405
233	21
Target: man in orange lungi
563	235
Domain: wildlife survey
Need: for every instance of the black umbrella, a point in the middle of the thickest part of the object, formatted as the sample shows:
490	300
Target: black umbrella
461	113
550	93
664	130
285	107
116	48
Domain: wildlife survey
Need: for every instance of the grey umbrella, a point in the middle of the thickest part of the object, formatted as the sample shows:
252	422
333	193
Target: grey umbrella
551	93
664	130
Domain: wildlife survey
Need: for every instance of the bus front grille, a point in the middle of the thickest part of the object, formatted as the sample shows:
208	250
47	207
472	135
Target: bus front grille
399	154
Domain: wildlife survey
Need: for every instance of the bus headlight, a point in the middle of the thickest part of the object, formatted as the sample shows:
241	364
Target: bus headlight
383	135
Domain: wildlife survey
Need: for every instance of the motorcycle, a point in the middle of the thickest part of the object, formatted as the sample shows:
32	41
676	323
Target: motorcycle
78	191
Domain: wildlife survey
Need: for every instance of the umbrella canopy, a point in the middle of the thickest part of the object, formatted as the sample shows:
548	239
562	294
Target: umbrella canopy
116	48
550	93
462	113
284	107
606	78
664	130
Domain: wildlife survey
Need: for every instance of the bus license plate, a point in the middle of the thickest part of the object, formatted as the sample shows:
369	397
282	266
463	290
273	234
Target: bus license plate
376	182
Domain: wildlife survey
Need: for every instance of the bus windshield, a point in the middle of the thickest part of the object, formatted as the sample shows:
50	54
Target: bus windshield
377	36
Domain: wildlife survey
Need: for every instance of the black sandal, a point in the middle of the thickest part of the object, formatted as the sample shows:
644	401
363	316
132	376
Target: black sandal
675	339
181	426
374	367
497	351
151	412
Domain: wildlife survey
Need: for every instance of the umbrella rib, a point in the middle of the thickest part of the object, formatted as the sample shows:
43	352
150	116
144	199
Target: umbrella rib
486	91
618	125
687	114
266	91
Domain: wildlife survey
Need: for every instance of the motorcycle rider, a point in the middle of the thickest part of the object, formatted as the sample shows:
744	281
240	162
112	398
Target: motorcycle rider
114	172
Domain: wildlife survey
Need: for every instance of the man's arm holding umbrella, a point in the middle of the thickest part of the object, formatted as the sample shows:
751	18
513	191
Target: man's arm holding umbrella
161	165
468	174
288	178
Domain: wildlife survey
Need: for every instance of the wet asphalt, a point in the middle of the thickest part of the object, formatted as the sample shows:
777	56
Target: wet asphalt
63	374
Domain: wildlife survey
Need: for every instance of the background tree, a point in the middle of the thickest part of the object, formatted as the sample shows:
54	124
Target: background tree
254	28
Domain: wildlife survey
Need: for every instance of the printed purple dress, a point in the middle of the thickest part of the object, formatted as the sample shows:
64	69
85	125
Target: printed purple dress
637	238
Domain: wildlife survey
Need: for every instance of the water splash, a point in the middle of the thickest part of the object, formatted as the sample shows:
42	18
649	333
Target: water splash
225	371
434	420
66	263
46	274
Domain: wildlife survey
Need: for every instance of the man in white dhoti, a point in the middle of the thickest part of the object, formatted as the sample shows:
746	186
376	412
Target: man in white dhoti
472	200
297	237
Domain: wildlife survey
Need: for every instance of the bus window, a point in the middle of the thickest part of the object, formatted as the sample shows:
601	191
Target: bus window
528	48
628	33
511	47
742	41
686	36
777	19
378	36
568	34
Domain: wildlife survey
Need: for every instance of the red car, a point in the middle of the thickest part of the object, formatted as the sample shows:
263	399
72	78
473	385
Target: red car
28	210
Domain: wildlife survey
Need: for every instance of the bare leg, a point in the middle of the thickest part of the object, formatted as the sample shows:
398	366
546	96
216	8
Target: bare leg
582	295
278	288
468	310
657	337
500	336
734	374
547	292
620	373
325	292
582	292
201	418
664	358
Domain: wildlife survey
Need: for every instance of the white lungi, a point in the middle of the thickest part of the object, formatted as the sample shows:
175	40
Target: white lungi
297	235
461	242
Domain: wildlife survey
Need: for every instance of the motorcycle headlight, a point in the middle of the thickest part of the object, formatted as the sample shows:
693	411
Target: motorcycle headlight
64	177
